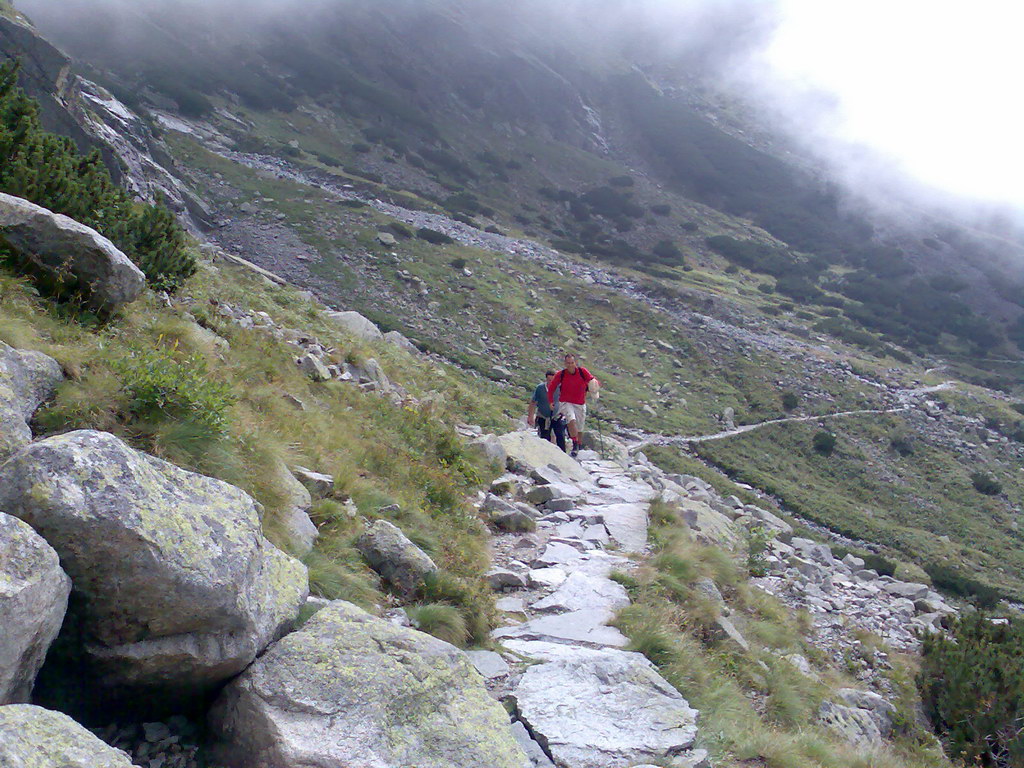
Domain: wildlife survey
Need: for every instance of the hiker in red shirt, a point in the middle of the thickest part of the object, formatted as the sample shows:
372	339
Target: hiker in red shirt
575	382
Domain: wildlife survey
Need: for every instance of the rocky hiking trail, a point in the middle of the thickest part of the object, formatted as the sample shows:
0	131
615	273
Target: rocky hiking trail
578	698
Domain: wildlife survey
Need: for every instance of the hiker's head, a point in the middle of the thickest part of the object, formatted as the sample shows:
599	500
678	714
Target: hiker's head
549	375
570	361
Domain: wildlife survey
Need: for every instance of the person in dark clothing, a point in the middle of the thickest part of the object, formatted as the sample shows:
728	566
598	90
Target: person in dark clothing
542	414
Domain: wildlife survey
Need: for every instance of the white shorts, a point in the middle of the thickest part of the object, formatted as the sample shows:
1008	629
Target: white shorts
573	412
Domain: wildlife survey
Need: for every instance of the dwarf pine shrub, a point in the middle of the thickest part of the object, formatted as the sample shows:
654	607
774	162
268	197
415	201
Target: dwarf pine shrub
972	690
48	170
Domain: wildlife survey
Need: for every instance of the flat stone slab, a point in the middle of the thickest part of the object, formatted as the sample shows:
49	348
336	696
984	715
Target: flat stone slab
578	627
624	491
627	525
604	709
489	664
557	553
547	577
582	592
510	604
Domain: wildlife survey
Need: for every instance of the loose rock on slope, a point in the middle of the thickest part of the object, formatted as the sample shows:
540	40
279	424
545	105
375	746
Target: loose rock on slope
179	588
350	689
60	245
26	380
398	561
33	599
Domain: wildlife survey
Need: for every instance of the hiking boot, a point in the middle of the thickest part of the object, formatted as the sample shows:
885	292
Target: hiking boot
575	450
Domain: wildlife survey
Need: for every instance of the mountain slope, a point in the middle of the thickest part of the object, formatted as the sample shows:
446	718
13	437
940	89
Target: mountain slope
475	108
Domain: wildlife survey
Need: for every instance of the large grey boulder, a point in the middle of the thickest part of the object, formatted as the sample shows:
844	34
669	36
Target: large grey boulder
33	599
27	379
354	690
177	585
63	247
390	553
880	709
356	325
622	711
32	737
527	451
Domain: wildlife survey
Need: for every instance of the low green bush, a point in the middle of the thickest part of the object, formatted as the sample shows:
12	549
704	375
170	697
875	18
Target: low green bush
433	236
163	387
986	484
790	400
824	443
947	579
972	690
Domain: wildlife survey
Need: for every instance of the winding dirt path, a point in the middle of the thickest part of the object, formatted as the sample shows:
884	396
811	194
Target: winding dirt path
906	397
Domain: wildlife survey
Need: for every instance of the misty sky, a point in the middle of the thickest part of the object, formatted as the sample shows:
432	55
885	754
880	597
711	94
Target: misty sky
933	84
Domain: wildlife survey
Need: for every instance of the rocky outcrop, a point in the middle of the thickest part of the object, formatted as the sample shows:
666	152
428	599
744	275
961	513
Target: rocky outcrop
67	250
350	689
806	575
33	598
177	586
27	379
357	325
32	737
399	562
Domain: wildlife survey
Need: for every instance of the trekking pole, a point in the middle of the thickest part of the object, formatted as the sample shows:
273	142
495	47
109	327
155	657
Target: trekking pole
600	432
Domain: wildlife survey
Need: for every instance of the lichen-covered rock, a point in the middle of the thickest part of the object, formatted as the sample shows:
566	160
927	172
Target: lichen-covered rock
33	599
858	727
350	689
32	737
63	246
399	562
26	380
177	585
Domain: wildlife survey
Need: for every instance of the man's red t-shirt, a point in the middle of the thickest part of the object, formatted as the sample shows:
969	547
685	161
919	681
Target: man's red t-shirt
574	386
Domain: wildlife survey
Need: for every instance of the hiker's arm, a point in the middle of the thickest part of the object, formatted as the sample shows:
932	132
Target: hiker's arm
531	413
